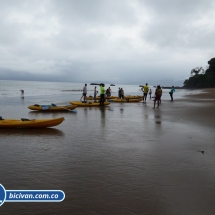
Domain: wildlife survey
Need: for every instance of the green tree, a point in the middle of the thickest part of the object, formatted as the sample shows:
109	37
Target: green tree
197	70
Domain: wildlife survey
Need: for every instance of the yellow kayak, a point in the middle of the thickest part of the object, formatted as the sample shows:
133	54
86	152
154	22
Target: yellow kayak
98	97
30	123
51	107
125	100
92	98
133	97
88	104
112	97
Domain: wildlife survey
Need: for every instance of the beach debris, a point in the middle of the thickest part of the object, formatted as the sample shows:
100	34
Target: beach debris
202	151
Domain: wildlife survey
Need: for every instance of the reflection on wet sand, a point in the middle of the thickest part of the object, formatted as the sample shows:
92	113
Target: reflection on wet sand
103	109
30	132
38	114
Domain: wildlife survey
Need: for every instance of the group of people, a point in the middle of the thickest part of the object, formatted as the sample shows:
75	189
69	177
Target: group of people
102	93
146	90
108	92
121	93
158	94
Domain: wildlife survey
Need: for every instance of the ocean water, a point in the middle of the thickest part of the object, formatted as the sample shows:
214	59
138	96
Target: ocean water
125	158
38	92
34	88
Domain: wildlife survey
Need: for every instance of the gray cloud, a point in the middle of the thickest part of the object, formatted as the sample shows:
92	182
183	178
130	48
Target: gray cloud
187	24
114	41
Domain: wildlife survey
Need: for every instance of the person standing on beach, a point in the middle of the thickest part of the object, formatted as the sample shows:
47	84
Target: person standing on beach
121	96
22	94
84	94
150	93
158	94
108	92
102	94
145	90
119	92
95	93
161	95
171	92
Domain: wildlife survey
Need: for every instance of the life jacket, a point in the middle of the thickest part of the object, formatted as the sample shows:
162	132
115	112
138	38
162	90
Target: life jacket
145	89
159	92
102	90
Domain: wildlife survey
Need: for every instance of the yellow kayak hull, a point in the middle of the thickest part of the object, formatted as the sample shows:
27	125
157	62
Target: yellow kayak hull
98	97
133	97
114	97
32	123
125	100
51	108
87	104
92	98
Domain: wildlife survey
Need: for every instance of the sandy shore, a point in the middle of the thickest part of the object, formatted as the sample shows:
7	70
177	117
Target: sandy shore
126	159
205	94
197	108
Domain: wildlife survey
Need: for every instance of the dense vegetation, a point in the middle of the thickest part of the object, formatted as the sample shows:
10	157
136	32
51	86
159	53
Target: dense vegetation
201	78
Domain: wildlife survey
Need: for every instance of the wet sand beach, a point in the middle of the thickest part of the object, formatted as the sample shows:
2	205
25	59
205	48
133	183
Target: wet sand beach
124	159
200	107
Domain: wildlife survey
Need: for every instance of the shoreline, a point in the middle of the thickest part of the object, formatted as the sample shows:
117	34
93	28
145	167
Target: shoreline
205	94
195	108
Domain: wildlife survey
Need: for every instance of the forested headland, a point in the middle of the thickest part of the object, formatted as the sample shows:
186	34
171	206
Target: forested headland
201	78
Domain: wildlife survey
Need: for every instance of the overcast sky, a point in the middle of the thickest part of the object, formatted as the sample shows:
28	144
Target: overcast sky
111	41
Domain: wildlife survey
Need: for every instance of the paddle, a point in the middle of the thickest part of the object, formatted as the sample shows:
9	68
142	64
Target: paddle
74	111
